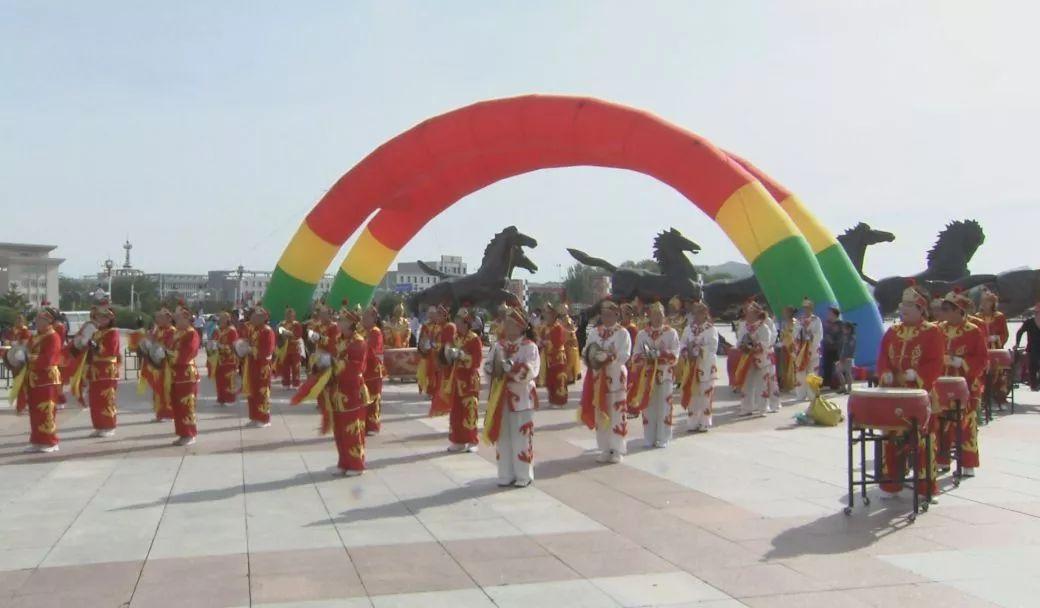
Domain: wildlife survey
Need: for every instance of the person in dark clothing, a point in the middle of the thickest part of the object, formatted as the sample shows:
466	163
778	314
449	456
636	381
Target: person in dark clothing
1031	328
833	329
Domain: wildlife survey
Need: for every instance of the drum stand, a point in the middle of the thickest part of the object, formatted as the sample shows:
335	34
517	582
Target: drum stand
989	392
955	416
862	435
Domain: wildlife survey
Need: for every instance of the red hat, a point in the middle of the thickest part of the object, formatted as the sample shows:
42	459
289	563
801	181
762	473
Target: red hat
914	294
47	311
958	298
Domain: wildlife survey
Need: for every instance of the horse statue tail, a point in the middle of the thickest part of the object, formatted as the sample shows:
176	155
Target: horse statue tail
432	271
588	260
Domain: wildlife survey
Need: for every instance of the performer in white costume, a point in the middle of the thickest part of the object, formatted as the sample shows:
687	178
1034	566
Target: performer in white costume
808	336
655	355
603	396
773	400
755	366
699	344
509	422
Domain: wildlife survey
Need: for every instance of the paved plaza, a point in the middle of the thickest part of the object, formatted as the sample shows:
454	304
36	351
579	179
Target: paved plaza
747	515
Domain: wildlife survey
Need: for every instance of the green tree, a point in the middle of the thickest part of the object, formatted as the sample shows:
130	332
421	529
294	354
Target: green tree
647	265
146	292
539	299
387	303
14	299
578	283
716	276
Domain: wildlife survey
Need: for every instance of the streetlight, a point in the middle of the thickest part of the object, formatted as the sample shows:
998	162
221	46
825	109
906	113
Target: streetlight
238	290
109	265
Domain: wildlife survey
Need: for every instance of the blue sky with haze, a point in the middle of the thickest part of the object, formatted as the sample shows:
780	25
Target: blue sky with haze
206	130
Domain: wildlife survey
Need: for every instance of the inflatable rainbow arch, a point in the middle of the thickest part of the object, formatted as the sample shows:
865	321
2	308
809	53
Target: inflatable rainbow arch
410	179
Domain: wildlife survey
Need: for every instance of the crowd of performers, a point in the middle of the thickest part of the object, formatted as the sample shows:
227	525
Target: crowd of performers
637	359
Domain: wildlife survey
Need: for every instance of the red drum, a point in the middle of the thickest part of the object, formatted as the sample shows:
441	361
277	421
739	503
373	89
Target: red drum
888	408
999	358
950	389
401	362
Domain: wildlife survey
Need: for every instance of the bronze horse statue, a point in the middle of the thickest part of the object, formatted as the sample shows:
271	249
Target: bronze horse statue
728	294
678	276
485	287
947	266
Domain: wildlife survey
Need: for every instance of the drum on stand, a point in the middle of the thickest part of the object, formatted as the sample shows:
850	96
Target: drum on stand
881	415
998	376
953	394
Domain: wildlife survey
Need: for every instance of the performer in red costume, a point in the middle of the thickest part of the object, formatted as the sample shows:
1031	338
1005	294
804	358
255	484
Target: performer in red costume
375	371
349	394
225	367
289	354
911	357
184	376
466	358
104	357
554	347
39	380
256	368
441	403
967	357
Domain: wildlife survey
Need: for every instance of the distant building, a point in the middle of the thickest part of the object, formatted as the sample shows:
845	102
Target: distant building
409	277
517	287
29	270
601	286
224	286
188	287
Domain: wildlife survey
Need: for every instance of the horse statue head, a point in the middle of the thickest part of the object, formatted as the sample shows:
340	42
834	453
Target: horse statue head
855	241
505	253
670	248
948	258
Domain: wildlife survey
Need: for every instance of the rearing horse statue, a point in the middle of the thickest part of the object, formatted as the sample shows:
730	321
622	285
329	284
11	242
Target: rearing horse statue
678	276
485	287
947	266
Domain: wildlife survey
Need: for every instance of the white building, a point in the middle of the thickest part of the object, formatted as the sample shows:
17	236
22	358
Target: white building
249	288
29	270
409	277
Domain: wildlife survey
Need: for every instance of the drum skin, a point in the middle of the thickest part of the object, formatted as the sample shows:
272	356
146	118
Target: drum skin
999	358
401	362
888	408
950	389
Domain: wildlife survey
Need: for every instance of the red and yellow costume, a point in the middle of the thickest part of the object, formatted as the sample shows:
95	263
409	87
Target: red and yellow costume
441	403
256	371
104	358
375	371
427	375
398	331
155	376
348	399
225	365
290	356
184	378
21	335
465	387
628	323
554	351
40	381
912	357
572	350
967	357
995	328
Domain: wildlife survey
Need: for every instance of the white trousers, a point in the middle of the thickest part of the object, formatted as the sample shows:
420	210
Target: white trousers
657	419
610	436
699	415
755	391
515	447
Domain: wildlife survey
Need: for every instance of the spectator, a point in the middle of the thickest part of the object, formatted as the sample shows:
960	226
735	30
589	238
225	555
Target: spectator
1031	328
846	356
833	330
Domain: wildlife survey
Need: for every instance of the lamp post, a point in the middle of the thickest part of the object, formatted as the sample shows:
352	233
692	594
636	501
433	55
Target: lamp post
238	290
109	265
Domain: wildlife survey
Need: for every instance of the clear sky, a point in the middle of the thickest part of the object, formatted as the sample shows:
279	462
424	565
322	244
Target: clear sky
205	130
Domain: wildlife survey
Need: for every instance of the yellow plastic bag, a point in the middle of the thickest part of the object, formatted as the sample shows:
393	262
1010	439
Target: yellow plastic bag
822	411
